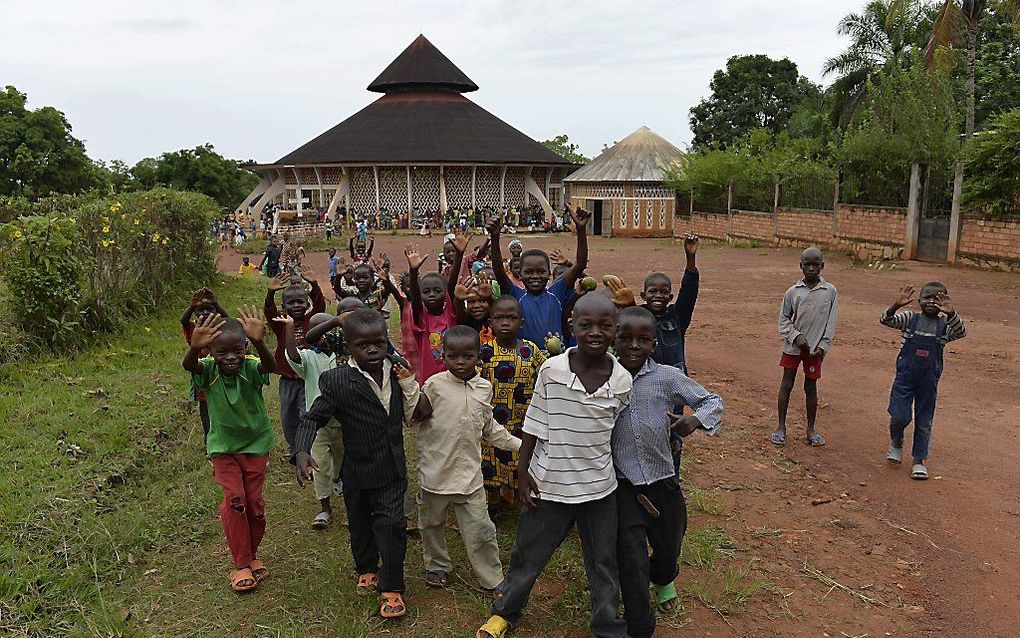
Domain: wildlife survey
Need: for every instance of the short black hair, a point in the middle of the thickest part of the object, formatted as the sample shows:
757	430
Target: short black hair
589	302
507	300
348	304
365	318
936	284
559	269
536	252
432	275
657	276
364	266
293	288
232	328
456	333
635	312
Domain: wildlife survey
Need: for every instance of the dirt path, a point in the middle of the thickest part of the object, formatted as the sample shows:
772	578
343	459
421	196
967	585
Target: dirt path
933	558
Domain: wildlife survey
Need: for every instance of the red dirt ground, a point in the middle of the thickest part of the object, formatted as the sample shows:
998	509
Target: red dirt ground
936	555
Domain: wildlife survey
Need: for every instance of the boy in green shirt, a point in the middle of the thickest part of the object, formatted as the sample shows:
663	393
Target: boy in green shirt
240	434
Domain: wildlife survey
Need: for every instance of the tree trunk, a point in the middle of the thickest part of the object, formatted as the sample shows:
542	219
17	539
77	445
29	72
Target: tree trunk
955	225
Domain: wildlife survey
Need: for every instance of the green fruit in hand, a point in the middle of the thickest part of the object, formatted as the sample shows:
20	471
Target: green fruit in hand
589	284
553	345
606	279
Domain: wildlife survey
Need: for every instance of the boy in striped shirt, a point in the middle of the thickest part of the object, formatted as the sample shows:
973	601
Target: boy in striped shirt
919	367
566	472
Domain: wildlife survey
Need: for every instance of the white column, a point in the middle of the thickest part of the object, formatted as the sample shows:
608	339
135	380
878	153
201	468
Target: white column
474	173
297	189
502	187
275	188
347	195
318	177
343	189
410	196
531	186
443	203
375	174
262	186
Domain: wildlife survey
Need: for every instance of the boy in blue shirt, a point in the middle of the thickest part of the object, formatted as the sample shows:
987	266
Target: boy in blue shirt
542	304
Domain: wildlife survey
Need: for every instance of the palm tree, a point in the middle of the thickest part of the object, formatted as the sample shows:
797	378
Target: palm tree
880	36
944	32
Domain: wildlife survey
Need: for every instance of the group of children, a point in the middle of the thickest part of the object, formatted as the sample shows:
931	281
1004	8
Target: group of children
588	437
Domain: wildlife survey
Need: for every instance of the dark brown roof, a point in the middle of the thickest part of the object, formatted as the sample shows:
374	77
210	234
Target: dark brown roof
422	67
423	127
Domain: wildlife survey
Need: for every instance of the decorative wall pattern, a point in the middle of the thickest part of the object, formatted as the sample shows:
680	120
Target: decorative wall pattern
458	186
425	188
393	188
363	190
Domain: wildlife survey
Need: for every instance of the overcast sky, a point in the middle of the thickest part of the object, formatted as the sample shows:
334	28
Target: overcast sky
258	78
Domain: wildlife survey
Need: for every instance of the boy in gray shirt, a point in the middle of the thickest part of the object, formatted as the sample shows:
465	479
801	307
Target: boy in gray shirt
807	323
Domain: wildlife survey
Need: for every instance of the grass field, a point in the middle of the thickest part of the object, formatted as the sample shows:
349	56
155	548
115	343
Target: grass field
110	524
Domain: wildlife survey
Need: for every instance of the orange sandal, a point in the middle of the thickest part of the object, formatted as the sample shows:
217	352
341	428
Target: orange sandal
367	583
392	605
242	580
258	570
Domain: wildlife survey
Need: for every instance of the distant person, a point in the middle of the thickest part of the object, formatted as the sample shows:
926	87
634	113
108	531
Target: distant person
919	367
807	323
240	434
333	262
270	264
246	267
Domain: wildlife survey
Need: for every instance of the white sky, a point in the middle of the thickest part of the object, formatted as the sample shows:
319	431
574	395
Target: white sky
258	78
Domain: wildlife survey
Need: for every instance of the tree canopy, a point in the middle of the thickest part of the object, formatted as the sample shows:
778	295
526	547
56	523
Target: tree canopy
200	169
752	92
562	146
38	154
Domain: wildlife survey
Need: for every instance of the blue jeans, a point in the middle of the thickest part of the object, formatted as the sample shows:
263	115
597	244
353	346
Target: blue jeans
915	389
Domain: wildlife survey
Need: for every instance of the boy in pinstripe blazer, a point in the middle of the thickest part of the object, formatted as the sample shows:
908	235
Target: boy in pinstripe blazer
372	399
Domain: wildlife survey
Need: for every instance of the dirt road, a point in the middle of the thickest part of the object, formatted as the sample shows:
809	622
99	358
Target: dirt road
905	558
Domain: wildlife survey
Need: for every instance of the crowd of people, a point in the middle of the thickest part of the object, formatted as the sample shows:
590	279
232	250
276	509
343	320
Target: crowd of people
526	387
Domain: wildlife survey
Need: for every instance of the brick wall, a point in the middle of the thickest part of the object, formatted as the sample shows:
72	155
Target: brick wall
707	225
990	239
873	224
808	226
752	225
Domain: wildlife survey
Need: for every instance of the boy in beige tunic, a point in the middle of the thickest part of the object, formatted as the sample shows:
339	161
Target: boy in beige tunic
455	412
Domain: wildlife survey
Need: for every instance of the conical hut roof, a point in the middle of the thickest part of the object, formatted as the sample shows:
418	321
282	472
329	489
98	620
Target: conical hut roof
642	156
423	118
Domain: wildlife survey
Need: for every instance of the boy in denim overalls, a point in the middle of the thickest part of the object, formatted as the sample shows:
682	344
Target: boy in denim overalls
919	366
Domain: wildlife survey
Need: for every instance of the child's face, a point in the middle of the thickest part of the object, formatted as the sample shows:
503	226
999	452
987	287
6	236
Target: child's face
506	321
228	352
535	273
657	294
928	299
332	252
635	341
244	260
203	312
477	308
359	247
295	302
433	293
449	253
460	357
363	280
405	284
367	344
516	250
515	267
811	266
594	329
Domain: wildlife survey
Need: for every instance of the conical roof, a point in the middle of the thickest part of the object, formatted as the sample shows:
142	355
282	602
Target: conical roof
422	67
642	156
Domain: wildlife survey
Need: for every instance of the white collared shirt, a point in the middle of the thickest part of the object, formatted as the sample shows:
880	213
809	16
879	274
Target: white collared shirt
573	460
409	388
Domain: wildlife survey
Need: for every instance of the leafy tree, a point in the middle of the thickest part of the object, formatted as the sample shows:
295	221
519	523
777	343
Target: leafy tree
38	154
200	169
994	167
753	91
562	146
996	68
880	37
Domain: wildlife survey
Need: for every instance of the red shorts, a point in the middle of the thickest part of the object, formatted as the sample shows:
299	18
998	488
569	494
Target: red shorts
812	364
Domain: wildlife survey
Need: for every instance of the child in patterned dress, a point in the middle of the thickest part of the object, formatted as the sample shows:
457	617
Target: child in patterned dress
510	364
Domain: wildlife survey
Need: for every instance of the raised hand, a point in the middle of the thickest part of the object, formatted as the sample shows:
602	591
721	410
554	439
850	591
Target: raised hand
251	321
403	372
691	244
906	296
683	425
206	331
557	257
279	282
494	227
415	258
307	273
202	296
463	289
945	304
284	319
623	296
461	241
484	287
580	216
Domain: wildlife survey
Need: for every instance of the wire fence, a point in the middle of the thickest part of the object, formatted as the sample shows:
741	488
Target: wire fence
753	194
808	191
889	188
937	190
711	198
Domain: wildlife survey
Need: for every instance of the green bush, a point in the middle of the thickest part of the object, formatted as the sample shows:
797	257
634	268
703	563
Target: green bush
81	266
993	167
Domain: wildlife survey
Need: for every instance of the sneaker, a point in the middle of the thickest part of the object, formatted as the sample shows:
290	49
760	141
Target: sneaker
919	472
321	520
895	455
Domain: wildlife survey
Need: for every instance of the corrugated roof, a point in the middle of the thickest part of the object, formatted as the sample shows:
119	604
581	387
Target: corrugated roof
642	156
422	66
423	127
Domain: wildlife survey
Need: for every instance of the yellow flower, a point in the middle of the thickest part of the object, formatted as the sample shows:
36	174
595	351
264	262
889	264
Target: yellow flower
17	234
123	215
72	220
148	329
137	222
155	239
164	241
106	229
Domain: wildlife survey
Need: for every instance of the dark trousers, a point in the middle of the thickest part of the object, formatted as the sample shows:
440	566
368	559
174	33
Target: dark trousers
378	529
637	532
911	390
292	407
540	532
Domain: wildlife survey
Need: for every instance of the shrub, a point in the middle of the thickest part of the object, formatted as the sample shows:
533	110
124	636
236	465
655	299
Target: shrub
993	167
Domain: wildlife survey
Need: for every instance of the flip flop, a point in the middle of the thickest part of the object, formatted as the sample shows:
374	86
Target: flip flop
242	580
665	596
367	583
322	520
494	627
816	440
258	570
435	579
894	455
392	605
919	472
778	438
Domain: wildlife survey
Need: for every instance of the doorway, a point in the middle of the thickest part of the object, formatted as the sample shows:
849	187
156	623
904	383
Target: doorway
596	217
